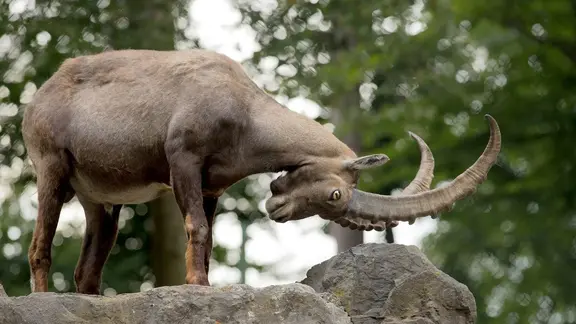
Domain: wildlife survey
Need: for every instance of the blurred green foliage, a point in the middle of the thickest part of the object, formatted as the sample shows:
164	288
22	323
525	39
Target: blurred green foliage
435	68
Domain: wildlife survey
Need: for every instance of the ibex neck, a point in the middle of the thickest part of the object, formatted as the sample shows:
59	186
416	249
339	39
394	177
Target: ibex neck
281	139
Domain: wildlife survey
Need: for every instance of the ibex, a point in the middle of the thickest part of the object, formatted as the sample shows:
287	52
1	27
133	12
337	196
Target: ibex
125	126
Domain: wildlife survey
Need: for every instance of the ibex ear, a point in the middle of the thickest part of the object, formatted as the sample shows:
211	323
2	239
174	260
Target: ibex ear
365	162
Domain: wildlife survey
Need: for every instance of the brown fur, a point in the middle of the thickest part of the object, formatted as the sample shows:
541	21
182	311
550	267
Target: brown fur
124	126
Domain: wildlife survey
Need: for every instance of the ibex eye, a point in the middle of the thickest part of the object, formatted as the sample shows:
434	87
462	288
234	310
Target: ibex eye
335	195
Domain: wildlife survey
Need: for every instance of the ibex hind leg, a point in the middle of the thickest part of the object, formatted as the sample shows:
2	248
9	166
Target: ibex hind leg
53	172
99	238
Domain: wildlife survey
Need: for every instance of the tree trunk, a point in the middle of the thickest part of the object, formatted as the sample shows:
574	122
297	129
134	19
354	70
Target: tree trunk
168	241
150	25
345	237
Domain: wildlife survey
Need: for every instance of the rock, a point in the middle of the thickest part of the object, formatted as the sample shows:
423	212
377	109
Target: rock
360	279
432	295
419	320
370	282
292	303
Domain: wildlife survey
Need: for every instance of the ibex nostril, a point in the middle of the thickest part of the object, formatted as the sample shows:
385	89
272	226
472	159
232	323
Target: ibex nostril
274	188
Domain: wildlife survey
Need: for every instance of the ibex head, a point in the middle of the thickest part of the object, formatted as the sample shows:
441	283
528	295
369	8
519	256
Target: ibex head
323	186
327	187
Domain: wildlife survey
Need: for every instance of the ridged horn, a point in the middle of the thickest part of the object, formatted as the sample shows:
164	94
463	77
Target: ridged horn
385	208
421	182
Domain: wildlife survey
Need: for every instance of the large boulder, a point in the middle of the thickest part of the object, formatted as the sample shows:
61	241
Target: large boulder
431	297
368	284
292	303
391	283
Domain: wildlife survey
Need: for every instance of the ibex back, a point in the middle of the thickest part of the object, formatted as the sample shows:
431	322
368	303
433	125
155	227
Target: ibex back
123	127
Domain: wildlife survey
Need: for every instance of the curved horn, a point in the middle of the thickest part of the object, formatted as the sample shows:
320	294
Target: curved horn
421	183
378	208
425	173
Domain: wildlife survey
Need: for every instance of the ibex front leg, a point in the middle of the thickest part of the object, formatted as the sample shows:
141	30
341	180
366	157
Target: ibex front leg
187	185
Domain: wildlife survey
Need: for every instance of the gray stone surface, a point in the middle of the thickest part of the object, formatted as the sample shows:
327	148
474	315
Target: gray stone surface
434	296
371	281
368	284
409	321
293	303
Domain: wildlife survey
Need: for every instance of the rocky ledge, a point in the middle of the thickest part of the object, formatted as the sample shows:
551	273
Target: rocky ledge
368	284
